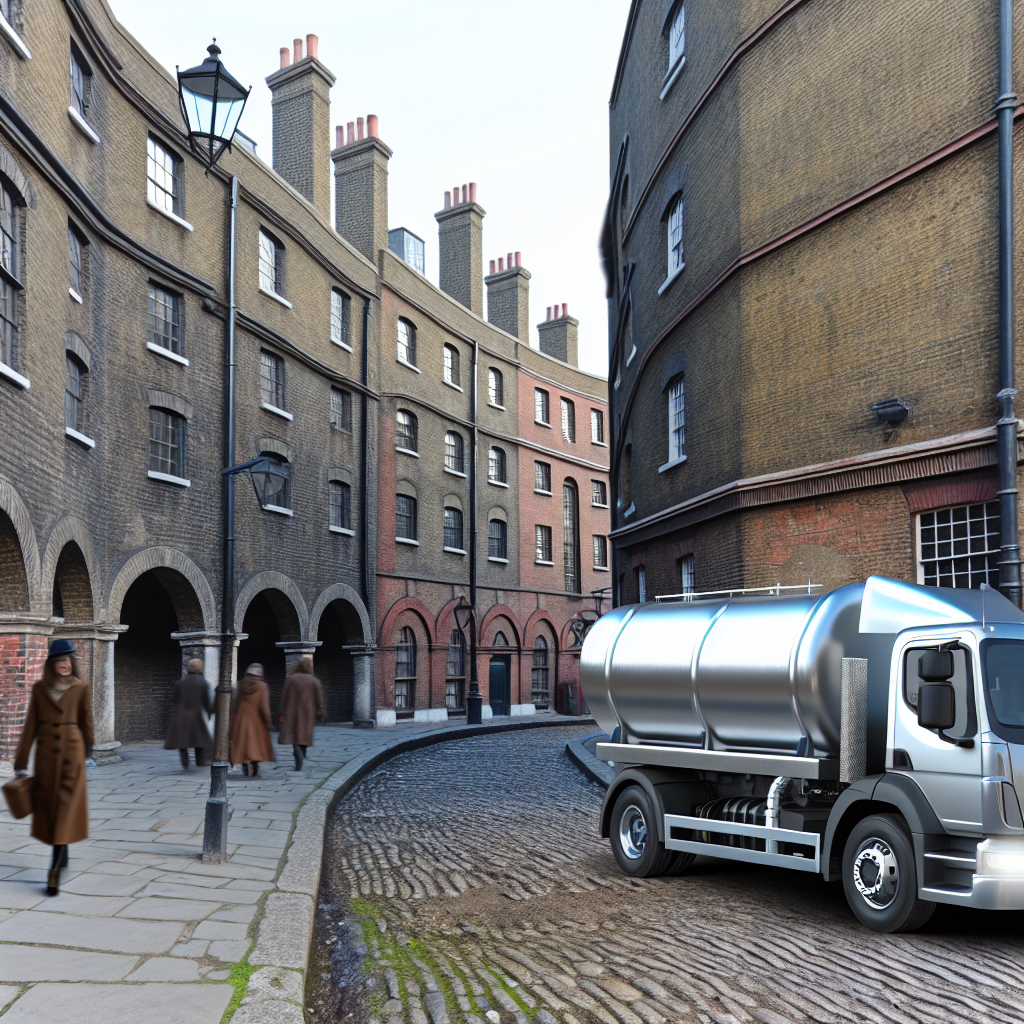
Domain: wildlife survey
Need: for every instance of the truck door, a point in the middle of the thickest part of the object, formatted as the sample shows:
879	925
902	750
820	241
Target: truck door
950	775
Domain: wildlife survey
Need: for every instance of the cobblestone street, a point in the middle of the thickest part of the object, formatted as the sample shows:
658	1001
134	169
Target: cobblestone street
471	875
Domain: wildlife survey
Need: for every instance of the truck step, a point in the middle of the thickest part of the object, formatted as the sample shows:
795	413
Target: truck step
954	858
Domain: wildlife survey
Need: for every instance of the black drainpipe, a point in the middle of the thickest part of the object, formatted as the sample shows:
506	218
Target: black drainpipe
364	467
1006	427
472	497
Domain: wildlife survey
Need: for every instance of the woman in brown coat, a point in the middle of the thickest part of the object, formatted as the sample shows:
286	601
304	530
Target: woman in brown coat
301	705
250	725
60	718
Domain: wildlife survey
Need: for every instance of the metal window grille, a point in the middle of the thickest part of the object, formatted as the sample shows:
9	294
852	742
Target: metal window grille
453	528
539	687
542	476
597	426
79	83
272	379
74	260
341	312
455	671
405	430
599	495
497	539
341	409
495	387
405	669
277	483
543	539
541	409
341	504
676	37
405	517
454	452
571	537
600	552
497	465
166	442
568	421
271	265
164	320
676	421
163	177
687	579
960	546
675	237
451	364
407	342
73	394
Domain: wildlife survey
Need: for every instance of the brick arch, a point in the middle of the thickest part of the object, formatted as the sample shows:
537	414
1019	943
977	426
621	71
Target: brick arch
271	580
445	621
501	611
11	170
28	550
167	558
69	530
539	616
406	604
339	592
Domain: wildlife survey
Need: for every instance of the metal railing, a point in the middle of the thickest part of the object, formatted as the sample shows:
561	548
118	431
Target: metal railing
777	591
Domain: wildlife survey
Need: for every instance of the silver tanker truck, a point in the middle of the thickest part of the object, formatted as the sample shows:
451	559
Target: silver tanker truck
874	734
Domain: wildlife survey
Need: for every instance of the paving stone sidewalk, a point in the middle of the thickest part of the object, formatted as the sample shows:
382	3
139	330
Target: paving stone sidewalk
144	931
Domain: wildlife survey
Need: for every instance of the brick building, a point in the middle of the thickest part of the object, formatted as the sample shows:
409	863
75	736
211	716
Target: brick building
112	379
802	263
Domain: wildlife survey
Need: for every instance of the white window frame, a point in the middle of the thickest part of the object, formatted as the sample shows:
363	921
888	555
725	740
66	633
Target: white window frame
687	576
676	421
990	512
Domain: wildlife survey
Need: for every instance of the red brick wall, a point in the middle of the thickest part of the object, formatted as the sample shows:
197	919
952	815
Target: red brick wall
21	663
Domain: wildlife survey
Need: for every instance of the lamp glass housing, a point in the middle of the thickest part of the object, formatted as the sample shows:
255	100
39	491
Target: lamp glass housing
212	101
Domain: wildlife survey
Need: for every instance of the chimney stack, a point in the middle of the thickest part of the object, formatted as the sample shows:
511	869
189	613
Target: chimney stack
559	335
361	186
508	296
301	104
460	243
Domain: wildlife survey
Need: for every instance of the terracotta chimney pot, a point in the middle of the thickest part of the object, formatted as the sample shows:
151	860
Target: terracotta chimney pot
519	259
359	128
297	46
492	267
447	200
372	126
339	136
351	132
565	309
472	191
286	56
312	45
501	264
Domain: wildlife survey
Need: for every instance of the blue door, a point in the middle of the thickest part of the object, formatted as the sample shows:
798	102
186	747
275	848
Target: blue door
498	684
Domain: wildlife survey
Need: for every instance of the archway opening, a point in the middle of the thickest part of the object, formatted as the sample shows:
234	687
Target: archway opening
339	627
13	577
269	620
72	592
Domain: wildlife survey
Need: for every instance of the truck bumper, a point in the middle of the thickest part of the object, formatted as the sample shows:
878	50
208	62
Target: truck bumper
988	892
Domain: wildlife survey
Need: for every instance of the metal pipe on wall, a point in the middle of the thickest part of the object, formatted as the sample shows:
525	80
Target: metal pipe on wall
363	470
474	402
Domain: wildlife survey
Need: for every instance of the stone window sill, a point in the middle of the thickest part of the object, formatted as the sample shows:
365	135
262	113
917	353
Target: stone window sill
453	386
595	504
167	478
402	362
80	438
454	472
408	451
279	509
547	494
166	353
494	405
540	561
600	444
497	483
407	540
670	78
667	283
601	568
342	529
82	125
277	298
500	561
455	551
672	463
341	344
277	412
13	376
7	30
541	423
180	221
74	295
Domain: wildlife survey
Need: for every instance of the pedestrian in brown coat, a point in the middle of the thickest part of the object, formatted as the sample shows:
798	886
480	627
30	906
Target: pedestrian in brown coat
250	724
188	727
301	705
60	718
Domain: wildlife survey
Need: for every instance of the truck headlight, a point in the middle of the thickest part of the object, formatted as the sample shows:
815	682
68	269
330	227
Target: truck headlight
1000	862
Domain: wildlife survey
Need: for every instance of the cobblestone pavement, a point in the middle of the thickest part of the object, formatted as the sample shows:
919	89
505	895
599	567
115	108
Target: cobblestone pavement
471	877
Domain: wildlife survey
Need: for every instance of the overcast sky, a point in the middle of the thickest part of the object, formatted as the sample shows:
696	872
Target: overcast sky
511	94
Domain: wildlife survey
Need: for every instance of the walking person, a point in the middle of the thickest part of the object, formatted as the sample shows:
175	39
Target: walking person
250	724
60	717
188	726
301	705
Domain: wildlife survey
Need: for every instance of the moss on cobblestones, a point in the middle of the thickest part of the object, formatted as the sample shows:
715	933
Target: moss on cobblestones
239	977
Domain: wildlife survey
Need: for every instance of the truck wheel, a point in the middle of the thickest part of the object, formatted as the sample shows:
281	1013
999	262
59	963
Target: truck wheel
880	875
634	835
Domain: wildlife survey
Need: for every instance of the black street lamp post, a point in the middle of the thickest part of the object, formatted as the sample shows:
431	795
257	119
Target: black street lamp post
465	619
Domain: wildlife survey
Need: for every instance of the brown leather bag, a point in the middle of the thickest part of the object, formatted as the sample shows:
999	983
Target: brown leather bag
18	794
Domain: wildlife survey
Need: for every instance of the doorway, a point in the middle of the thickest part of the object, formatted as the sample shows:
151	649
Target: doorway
498	683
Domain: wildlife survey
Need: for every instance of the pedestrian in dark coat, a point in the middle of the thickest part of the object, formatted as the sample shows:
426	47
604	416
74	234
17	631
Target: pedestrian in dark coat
188	727
301	705
250	724
60	718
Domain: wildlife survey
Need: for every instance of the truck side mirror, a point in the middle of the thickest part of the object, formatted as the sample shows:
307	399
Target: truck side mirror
936	704
935	666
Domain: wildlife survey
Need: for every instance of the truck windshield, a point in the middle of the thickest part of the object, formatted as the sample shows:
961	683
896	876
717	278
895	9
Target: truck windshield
1004	687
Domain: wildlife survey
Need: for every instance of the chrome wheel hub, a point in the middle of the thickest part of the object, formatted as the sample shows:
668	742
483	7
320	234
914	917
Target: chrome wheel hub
633	832
876	873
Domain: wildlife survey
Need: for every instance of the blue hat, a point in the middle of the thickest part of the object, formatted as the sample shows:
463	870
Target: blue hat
59	648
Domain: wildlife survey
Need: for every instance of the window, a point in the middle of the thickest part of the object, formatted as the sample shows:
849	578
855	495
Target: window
497	539
81	82
451	364
600	552
271	379
497	471
500	640
341	409
455	671
164	320
405	669
453	529
166	443
277	481
340	498
405	517
271	264
599	496
73	395
676	37
454	453
495	387
341	312
675	238
75	265
163	173
8	279
568	421
960	546
540	692
406	342
571	537
687	579
406	431
597	426
542	477
676	421
641	583
541	407
543	538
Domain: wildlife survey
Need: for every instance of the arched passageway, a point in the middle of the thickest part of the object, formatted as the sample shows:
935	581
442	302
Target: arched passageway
13	578
339	627
72	591
270	619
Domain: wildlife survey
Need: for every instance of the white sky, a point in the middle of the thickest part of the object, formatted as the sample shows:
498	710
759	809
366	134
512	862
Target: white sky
511	94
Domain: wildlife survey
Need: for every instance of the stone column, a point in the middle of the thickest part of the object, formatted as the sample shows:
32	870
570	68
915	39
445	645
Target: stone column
362	689
103	687
296	649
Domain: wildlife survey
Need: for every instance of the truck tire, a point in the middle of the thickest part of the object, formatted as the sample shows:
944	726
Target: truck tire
880	875
634	836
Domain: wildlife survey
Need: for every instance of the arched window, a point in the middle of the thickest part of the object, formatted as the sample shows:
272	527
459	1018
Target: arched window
451	364
495	387
569	420
341	316
405	670
406	431
676	36
453	529
571	536
8	292
539	686
455	672
675	237
500	640
406	342
497	540
676	421
73	388
497	466
340	504
454	453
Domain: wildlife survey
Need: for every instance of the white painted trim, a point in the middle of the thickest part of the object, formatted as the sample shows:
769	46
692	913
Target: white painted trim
169	215
671	463
402	362
631	356
82	125
341	344
407	540
455	551
87	441
279	509
13	375
601	568
342	529
407	451
496	483
74	294
502	561
670	78
276	297
452	472
451	385
671	277
538	561
166	353
493	406
277	412
168	479
547	494
594	504
599	444
541	423
7	29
